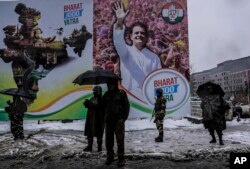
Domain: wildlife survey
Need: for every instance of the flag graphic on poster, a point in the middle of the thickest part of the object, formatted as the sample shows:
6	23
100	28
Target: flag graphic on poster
44	45
173	13
146	43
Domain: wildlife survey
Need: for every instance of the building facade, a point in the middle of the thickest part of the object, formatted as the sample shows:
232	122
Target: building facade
232	75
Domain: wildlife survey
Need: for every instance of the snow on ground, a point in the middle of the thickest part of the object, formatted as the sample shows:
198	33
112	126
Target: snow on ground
183	140
131	125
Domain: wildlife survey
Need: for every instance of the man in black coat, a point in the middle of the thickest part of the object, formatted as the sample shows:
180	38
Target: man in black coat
116	107
94	125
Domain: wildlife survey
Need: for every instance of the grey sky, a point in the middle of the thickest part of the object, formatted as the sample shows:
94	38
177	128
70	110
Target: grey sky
219	30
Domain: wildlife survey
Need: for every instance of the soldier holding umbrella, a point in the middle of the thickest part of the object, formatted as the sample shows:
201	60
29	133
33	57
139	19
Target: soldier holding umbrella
213	108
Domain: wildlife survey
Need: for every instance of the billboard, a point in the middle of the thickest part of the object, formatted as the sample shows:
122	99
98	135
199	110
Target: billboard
146	43
52	42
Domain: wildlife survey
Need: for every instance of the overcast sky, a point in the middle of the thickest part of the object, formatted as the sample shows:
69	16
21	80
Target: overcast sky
219	30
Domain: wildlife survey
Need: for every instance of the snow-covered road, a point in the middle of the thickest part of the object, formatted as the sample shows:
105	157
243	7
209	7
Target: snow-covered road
183	141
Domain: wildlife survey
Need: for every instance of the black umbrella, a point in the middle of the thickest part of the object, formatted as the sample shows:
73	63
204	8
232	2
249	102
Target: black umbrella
94	77
16	92
209	88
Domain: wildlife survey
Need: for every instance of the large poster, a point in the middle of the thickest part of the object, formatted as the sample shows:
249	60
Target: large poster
44	45
146	43
47	44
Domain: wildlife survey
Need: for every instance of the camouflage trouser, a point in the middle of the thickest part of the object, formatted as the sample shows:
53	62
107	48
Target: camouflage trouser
16	126
117	129
159	120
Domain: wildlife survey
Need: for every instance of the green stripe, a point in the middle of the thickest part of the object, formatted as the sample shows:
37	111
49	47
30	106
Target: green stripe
53	113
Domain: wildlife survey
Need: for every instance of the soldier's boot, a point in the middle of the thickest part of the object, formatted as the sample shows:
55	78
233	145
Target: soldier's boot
21	135
99	143
110	156
121	161
220	138
16	138
221	141
159	138
90	143
213	137
75	50
109	160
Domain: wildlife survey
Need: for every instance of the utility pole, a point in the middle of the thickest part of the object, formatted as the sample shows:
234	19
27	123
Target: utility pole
247	88
246	81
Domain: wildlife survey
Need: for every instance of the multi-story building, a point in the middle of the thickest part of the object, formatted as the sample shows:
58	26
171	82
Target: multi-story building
232	75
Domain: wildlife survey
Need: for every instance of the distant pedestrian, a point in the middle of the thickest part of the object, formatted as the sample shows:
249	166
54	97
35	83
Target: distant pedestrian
94	125
159	113
213	113
237	111
116	107
16	110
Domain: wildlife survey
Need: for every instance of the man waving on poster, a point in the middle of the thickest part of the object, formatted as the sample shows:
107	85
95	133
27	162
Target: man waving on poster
136	60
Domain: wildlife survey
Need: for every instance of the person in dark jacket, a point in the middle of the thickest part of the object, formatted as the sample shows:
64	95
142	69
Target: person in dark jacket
116	107
16	110
94	125
213	113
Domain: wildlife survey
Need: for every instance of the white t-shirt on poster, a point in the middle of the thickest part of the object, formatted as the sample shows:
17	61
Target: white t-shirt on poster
135	64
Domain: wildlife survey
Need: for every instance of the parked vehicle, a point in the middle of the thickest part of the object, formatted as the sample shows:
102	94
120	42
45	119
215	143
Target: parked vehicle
241	110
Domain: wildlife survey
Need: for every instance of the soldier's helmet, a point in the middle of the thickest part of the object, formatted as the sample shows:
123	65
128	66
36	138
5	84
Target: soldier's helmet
98	90
160	91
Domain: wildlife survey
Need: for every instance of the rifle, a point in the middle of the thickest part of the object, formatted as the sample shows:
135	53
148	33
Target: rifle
153	114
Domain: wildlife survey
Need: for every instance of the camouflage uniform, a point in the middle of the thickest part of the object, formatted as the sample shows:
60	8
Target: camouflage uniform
160	106
116	113
16	111
213	113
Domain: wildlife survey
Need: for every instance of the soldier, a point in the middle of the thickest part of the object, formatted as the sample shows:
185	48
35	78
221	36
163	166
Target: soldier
214	108
94	125
159	112
116	113
16	110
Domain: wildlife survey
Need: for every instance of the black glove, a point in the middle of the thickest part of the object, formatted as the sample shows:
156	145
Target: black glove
7	109
86	103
